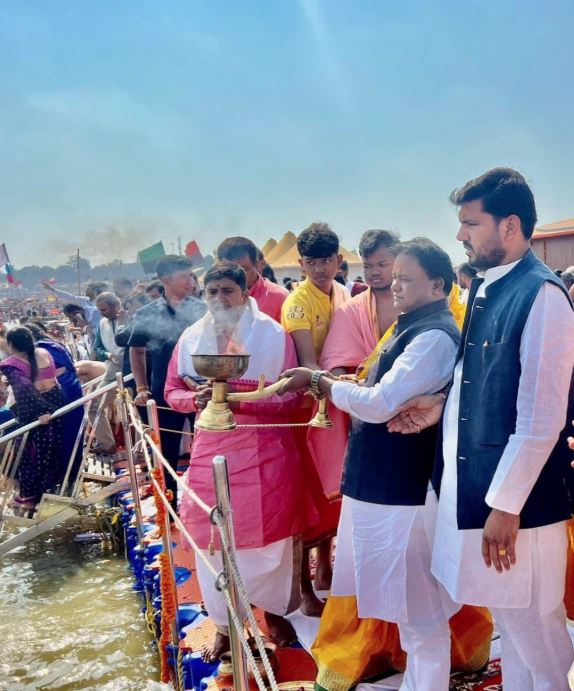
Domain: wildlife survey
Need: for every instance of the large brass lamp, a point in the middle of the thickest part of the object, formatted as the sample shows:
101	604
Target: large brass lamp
217	416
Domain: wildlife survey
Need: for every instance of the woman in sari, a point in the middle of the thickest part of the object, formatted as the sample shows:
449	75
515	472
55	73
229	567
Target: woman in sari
67	377
31	373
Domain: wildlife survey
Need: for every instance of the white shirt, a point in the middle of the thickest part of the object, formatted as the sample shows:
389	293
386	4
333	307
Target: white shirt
425	366
547	359
377	565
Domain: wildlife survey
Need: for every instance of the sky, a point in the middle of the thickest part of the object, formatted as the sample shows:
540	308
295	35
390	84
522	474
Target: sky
126	123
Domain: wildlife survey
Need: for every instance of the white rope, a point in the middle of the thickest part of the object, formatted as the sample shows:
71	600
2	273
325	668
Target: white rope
145	434
218	519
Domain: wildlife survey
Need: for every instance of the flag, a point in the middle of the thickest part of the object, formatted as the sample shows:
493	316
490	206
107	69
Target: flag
10	274
3	255
149	257
193	252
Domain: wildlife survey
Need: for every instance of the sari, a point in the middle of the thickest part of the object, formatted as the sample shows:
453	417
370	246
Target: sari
41	456
72	421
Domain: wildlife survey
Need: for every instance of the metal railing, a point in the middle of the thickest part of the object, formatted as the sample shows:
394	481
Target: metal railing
147	441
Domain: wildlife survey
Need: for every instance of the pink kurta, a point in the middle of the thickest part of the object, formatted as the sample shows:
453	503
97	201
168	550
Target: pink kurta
269	297
353	335
265	477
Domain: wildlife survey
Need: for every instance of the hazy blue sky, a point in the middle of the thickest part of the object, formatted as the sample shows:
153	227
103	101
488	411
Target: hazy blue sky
204	119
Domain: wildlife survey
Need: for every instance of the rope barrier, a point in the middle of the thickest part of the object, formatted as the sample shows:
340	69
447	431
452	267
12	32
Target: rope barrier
222	583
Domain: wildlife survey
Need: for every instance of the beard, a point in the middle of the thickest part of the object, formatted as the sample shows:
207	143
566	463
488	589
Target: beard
491	255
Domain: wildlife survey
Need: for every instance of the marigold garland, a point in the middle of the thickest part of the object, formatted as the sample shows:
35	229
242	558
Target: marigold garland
167	579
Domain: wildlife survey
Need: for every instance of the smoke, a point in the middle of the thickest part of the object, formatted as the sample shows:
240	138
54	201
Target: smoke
118	241
226	323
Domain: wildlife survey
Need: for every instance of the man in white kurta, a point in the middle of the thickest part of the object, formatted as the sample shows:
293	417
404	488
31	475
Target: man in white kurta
389	508
526	600
500	538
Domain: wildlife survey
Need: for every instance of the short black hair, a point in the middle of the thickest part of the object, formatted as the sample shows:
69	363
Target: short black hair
344	265
466	269
220	270
504	192
435	261
268	273
318	241
372	240
567	277
171	263
71	308
157	284
235	248
97	286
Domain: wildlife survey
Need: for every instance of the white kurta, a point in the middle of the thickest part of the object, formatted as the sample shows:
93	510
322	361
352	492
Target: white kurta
547	358
374	540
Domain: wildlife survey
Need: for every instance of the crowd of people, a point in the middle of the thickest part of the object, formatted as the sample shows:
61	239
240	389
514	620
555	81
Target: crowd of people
446	476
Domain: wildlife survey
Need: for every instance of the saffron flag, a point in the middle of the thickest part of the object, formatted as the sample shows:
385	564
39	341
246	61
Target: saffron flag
193	252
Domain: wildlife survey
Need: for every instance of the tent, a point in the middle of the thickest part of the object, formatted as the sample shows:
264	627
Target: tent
287	241
270	245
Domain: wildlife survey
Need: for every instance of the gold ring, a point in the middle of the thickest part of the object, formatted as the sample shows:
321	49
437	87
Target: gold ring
502	552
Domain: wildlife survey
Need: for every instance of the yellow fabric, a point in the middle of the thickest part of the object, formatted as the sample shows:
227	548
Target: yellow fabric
348	649
458	311
456	307
374	356
307	307
569	592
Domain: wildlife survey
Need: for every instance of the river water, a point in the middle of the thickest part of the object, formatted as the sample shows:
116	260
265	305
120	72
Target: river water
70	620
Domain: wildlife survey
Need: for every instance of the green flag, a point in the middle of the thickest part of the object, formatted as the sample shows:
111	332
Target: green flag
149	257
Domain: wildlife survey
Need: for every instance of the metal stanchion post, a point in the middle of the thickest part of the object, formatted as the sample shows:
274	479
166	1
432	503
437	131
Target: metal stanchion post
238	660
129	450
153	422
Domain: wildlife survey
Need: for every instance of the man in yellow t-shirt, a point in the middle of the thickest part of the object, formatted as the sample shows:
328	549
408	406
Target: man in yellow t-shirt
306	315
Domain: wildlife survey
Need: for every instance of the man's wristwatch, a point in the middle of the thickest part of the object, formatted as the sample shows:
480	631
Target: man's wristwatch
314	385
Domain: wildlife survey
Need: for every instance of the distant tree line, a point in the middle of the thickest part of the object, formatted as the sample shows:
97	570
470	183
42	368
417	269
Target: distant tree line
67	274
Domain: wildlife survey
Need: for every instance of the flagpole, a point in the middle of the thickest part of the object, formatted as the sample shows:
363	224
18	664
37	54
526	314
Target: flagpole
78	270
13	274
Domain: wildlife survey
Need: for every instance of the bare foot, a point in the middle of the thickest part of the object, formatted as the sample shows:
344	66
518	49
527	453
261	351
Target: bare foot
220	646
311	606
281	631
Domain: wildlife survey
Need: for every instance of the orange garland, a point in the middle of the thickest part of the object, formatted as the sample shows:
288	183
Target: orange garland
167	580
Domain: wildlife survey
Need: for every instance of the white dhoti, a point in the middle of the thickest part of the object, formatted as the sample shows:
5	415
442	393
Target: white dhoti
270	574
383	558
